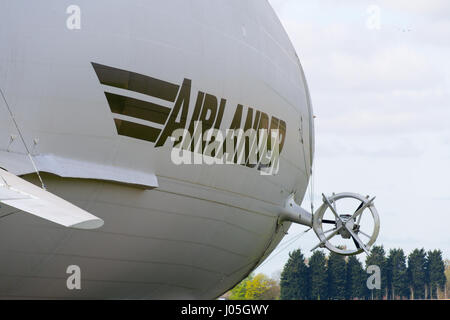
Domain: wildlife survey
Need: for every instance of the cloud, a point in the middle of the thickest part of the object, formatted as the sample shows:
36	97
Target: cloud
430	8
381	121
345	57
382	101
366	82
387	69
362	148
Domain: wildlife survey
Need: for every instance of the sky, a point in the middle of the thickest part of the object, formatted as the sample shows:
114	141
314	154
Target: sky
379	78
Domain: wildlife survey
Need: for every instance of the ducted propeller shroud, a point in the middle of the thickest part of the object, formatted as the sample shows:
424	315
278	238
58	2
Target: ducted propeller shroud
346	225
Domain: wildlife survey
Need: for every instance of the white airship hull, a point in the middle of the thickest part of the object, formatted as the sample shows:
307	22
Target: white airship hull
201	228
177	241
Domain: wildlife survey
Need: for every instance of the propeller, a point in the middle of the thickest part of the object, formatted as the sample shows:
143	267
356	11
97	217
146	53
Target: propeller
346	225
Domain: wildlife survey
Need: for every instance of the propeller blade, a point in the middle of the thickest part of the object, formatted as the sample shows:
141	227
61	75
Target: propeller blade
328	221
360	216
355	238
356	243
362	203
325	199
362	208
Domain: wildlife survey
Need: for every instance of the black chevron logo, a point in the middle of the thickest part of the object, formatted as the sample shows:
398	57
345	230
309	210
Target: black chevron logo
144	110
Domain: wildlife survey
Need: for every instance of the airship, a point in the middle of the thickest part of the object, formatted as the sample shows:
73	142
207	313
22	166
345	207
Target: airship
115	162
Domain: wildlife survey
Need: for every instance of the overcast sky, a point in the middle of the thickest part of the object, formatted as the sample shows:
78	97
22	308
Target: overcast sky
382	101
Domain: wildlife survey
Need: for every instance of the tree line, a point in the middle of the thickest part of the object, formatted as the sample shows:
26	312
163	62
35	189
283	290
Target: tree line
420	275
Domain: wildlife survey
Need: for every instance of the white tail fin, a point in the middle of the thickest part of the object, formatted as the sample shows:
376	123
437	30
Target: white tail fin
25	196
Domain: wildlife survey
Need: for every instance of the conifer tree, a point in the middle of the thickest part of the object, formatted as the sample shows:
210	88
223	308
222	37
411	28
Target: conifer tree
318	275
356	279
397	274
417	274
377	257
295	278
436	272
336	276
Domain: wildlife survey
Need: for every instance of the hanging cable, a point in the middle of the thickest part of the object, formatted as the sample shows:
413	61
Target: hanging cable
21	137
311	189
311	172
285	246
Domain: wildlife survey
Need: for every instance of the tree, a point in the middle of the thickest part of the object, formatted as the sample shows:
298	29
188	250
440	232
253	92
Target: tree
318	275
238	292
355	279
447	275
397	276
336	276
258	287
273	292
261	287
436	272
294	278
377	257
417	274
